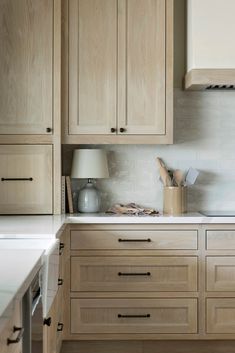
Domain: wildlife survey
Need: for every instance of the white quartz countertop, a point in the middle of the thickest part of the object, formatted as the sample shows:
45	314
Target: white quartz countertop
18	267
20	260
48	227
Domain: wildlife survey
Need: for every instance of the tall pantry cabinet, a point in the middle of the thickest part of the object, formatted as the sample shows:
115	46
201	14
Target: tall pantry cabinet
117	70
30	106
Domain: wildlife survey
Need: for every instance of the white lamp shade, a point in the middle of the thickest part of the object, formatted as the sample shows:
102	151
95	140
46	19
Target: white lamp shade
89	164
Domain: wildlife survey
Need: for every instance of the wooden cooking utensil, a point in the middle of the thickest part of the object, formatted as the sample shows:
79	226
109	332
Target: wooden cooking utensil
166	179
178	177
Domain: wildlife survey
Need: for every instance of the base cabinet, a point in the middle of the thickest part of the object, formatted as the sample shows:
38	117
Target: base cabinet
12	330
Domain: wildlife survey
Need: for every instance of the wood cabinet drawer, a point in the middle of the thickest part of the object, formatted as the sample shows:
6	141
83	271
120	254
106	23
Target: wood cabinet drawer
133	274
25	179
8	332
221	315
220	273
220	239
134	315
133	239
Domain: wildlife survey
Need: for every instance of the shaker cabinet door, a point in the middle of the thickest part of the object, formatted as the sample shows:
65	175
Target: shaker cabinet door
26	64
25	179
92	66
142	67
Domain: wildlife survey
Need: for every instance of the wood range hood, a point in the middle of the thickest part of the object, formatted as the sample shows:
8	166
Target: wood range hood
210	45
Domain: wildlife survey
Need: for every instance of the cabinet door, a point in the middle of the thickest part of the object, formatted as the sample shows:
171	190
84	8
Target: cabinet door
92	66
25	179
26	34
142	67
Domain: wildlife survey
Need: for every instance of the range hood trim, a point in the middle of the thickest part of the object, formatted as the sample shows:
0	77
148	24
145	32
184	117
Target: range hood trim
202	79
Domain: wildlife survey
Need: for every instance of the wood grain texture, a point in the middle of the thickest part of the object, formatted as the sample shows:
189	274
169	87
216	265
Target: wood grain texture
7	332
220	315
32	197
200	79
220	239
159	239
26	66
145	66
92	66
163	274
166	315
220	273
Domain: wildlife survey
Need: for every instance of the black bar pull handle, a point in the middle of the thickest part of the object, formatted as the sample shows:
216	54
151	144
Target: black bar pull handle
60	281
61	248
17	179
135	240
19	336
134	273
60	327
134	316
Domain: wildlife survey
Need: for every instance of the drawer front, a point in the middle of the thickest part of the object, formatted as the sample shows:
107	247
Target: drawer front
26	179
134	315
8	333
220	273
220	239
221	315
133	239
133	274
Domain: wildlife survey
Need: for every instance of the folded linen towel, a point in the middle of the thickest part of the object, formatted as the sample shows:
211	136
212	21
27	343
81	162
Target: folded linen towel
132	209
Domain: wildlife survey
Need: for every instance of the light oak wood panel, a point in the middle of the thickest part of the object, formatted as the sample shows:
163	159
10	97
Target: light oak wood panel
8	333
200	79
142	48
146	239
31	161
220	239
166	316
220	315
164	346
133	274
26	66
92	66
221	273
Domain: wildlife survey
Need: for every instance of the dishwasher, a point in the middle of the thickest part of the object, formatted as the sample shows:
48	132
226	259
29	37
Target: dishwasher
38	299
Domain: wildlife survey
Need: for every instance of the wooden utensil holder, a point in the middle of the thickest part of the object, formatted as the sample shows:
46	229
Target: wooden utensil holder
175	200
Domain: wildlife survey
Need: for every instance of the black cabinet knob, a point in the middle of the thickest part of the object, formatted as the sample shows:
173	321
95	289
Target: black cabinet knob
122	129
60	327
48	129
113	129
47	321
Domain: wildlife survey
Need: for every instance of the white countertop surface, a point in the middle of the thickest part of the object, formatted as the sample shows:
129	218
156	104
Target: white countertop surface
17	270
20	260
47	227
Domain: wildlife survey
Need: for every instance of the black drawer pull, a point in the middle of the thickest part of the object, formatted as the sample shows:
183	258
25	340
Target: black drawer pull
135	240
133	316
60	281
47	321
60	327
61	248
19	336
134	274
17	179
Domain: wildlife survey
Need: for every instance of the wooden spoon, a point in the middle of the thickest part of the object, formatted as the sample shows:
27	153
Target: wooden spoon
178	177
166	179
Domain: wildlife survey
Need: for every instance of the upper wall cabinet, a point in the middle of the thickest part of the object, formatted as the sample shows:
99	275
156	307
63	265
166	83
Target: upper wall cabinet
26	66
118	71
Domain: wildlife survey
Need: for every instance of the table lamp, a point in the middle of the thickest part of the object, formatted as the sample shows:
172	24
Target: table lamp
89	164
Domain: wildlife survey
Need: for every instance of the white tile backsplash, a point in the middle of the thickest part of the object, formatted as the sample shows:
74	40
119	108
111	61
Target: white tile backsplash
204	139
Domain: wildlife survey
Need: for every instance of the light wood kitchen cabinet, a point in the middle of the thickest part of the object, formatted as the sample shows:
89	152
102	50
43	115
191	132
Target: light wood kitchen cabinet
25	179
117	71
134	316
12	330
26	67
